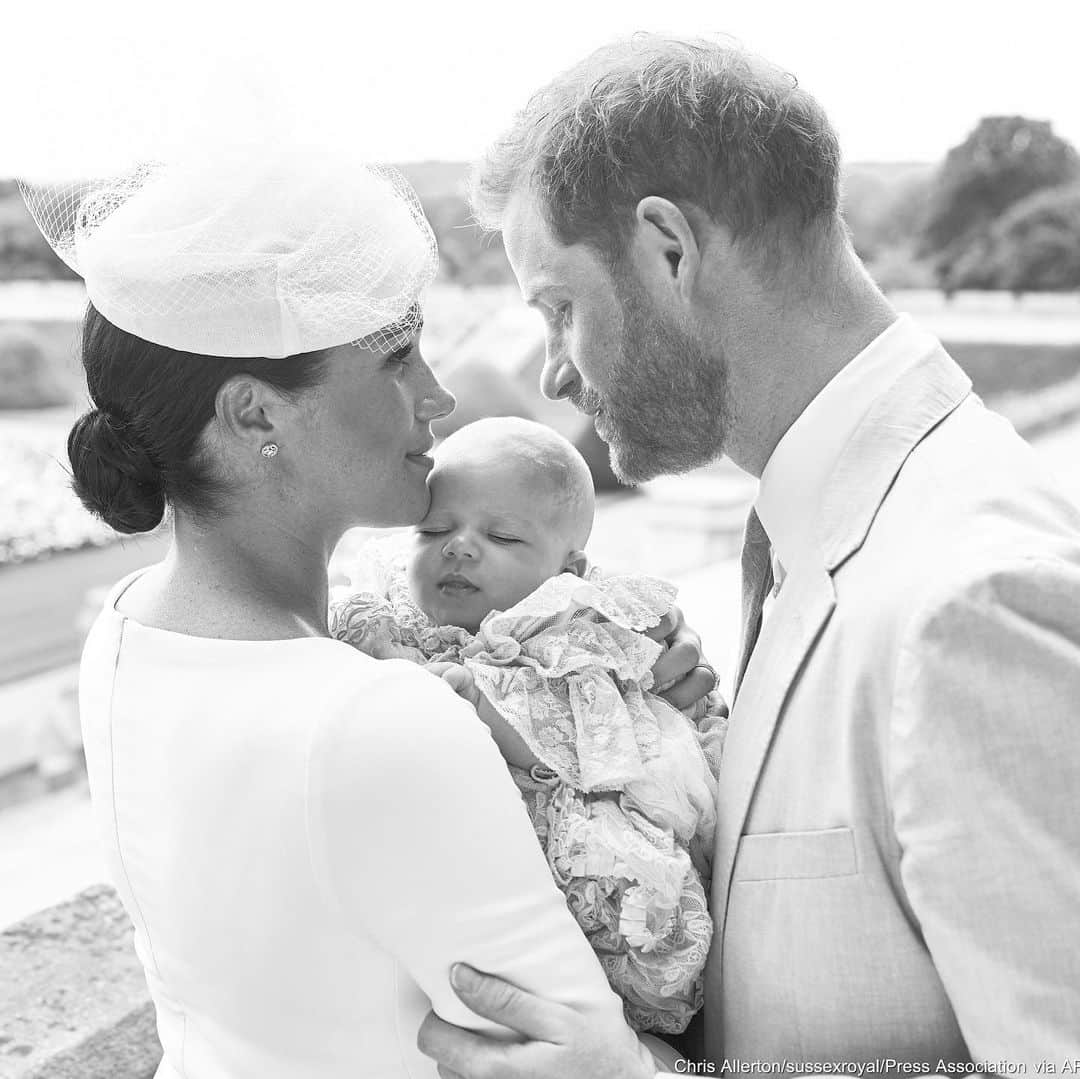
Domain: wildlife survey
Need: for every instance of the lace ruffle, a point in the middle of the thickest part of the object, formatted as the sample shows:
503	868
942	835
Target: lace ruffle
634	893
625	793
567	668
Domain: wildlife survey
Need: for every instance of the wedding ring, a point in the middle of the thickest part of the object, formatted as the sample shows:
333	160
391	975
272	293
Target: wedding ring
711	670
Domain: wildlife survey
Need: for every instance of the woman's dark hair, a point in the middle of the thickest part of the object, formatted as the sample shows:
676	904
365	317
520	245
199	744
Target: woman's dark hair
138	448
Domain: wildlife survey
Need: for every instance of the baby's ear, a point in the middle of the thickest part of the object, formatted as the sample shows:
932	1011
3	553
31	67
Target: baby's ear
577	562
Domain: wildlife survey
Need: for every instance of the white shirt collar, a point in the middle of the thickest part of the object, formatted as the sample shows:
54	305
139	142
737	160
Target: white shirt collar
794	480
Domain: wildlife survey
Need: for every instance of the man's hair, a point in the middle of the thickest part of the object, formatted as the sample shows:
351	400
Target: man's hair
689	120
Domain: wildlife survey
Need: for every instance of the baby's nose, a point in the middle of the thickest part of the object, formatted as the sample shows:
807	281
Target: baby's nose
459	546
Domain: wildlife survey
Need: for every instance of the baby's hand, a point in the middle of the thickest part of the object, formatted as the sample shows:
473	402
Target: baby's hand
511	745
459	679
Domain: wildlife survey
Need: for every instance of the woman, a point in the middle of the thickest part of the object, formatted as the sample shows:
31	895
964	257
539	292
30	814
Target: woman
306	839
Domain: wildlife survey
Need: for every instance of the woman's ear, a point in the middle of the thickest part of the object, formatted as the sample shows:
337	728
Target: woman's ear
245	407
577	562
666	246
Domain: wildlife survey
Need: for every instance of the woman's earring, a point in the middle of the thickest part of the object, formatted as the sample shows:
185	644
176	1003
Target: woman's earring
270	449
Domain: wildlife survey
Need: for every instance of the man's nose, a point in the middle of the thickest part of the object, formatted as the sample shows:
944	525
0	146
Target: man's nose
559	377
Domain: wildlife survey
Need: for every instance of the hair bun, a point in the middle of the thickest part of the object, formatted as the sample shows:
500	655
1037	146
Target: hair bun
113	477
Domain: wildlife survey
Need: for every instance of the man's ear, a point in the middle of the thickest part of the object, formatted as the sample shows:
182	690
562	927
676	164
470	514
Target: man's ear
245	409
577	562
666	245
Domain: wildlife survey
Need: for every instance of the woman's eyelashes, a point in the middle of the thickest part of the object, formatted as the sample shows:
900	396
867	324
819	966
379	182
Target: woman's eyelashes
400	357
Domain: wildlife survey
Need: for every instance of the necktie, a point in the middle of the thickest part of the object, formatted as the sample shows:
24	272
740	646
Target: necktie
757	579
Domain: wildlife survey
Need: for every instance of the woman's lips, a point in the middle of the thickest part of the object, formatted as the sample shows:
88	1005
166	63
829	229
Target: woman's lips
419	456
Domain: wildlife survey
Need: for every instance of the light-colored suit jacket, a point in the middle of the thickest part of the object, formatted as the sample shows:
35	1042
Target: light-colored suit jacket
897	869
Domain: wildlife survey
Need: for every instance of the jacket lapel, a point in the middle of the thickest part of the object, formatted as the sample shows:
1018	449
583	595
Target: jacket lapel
900	419
801	610
916	403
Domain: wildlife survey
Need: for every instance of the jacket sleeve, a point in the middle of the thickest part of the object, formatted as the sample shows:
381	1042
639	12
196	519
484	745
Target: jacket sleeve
421	840
984	771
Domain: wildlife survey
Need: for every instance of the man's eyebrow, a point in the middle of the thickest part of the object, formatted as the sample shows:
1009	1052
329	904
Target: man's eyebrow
535	298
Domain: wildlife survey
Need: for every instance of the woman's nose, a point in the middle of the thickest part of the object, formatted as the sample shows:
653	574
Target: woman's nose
559	377
435	402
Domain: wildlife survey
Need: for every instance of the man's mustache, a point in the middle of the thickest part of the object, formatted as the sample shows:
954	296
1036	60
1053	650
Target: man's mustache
586	400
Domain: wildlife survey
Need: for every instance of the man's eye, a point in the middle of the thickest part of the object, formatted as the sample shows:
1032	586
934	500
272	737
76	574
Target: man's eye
400	357
556	314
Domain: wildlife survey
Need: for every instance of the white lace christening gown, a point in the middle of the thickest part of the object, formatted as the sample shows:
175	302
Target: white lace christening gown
624	804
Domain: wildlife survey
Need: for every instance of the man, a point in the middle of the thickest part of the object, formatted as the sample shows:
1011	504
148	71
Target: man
897	870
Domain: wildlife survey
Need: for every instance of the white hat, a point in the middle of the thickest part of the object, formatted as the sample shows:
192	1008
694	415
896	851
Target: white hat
242	254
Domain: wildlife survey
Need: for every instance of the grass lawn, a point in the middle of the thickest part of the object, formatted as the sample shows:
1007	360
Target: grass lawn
997	369
994	368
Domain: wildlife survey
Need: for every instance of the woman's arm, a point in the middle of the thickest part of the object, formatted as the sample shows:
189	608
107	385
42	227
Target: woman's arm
512	747
421	839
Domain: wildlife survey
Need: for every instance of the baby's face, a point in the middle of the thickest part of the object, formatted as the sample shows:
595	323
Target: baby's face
491	536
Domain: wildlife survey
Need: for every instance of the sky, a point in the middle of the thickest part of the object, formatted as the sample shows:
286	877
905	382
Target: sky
91	86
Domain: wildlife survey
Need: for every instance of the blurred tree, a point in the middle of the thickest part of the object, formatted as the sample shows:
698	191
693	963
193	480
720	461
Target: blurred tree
1005	159
24	254
467	255
27	379
884	205
1034	246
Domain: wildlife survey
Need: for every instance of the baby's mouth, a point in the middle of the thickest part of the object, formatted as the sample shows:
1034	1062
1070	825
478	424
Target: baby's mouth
454	584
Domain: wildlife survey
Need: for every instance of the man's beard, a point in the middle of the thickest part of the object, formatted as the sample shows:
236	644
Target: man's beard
665	408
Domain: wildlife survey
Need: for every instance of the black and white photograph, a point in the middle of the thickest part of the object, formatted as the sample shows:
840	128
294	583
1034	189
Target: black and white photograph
539	541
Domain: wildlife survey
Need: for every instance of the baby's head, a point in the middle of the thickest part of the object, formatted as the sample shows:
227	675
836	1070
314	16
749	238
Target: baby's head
511	505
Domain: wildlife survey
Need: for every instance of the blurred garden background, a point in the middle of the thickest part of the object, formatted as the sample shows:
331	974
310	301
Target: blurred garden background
985	244
979	240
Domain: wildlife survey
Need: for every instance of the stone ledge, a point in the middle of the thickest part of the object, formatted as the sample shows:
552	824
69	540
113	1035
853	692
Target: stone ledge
73	998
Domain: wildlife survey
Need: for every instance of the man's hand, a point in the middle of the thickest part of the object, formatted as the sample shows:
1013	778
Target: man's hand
681	675
556	1041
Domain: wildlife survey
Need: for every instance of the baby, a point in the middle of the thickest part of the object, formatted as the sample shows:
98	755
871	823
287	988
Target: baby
618	784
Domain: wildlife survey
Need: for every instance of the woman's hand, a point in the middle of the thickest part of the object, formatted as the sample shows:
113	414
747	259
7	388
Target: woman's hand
681	675
511	745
